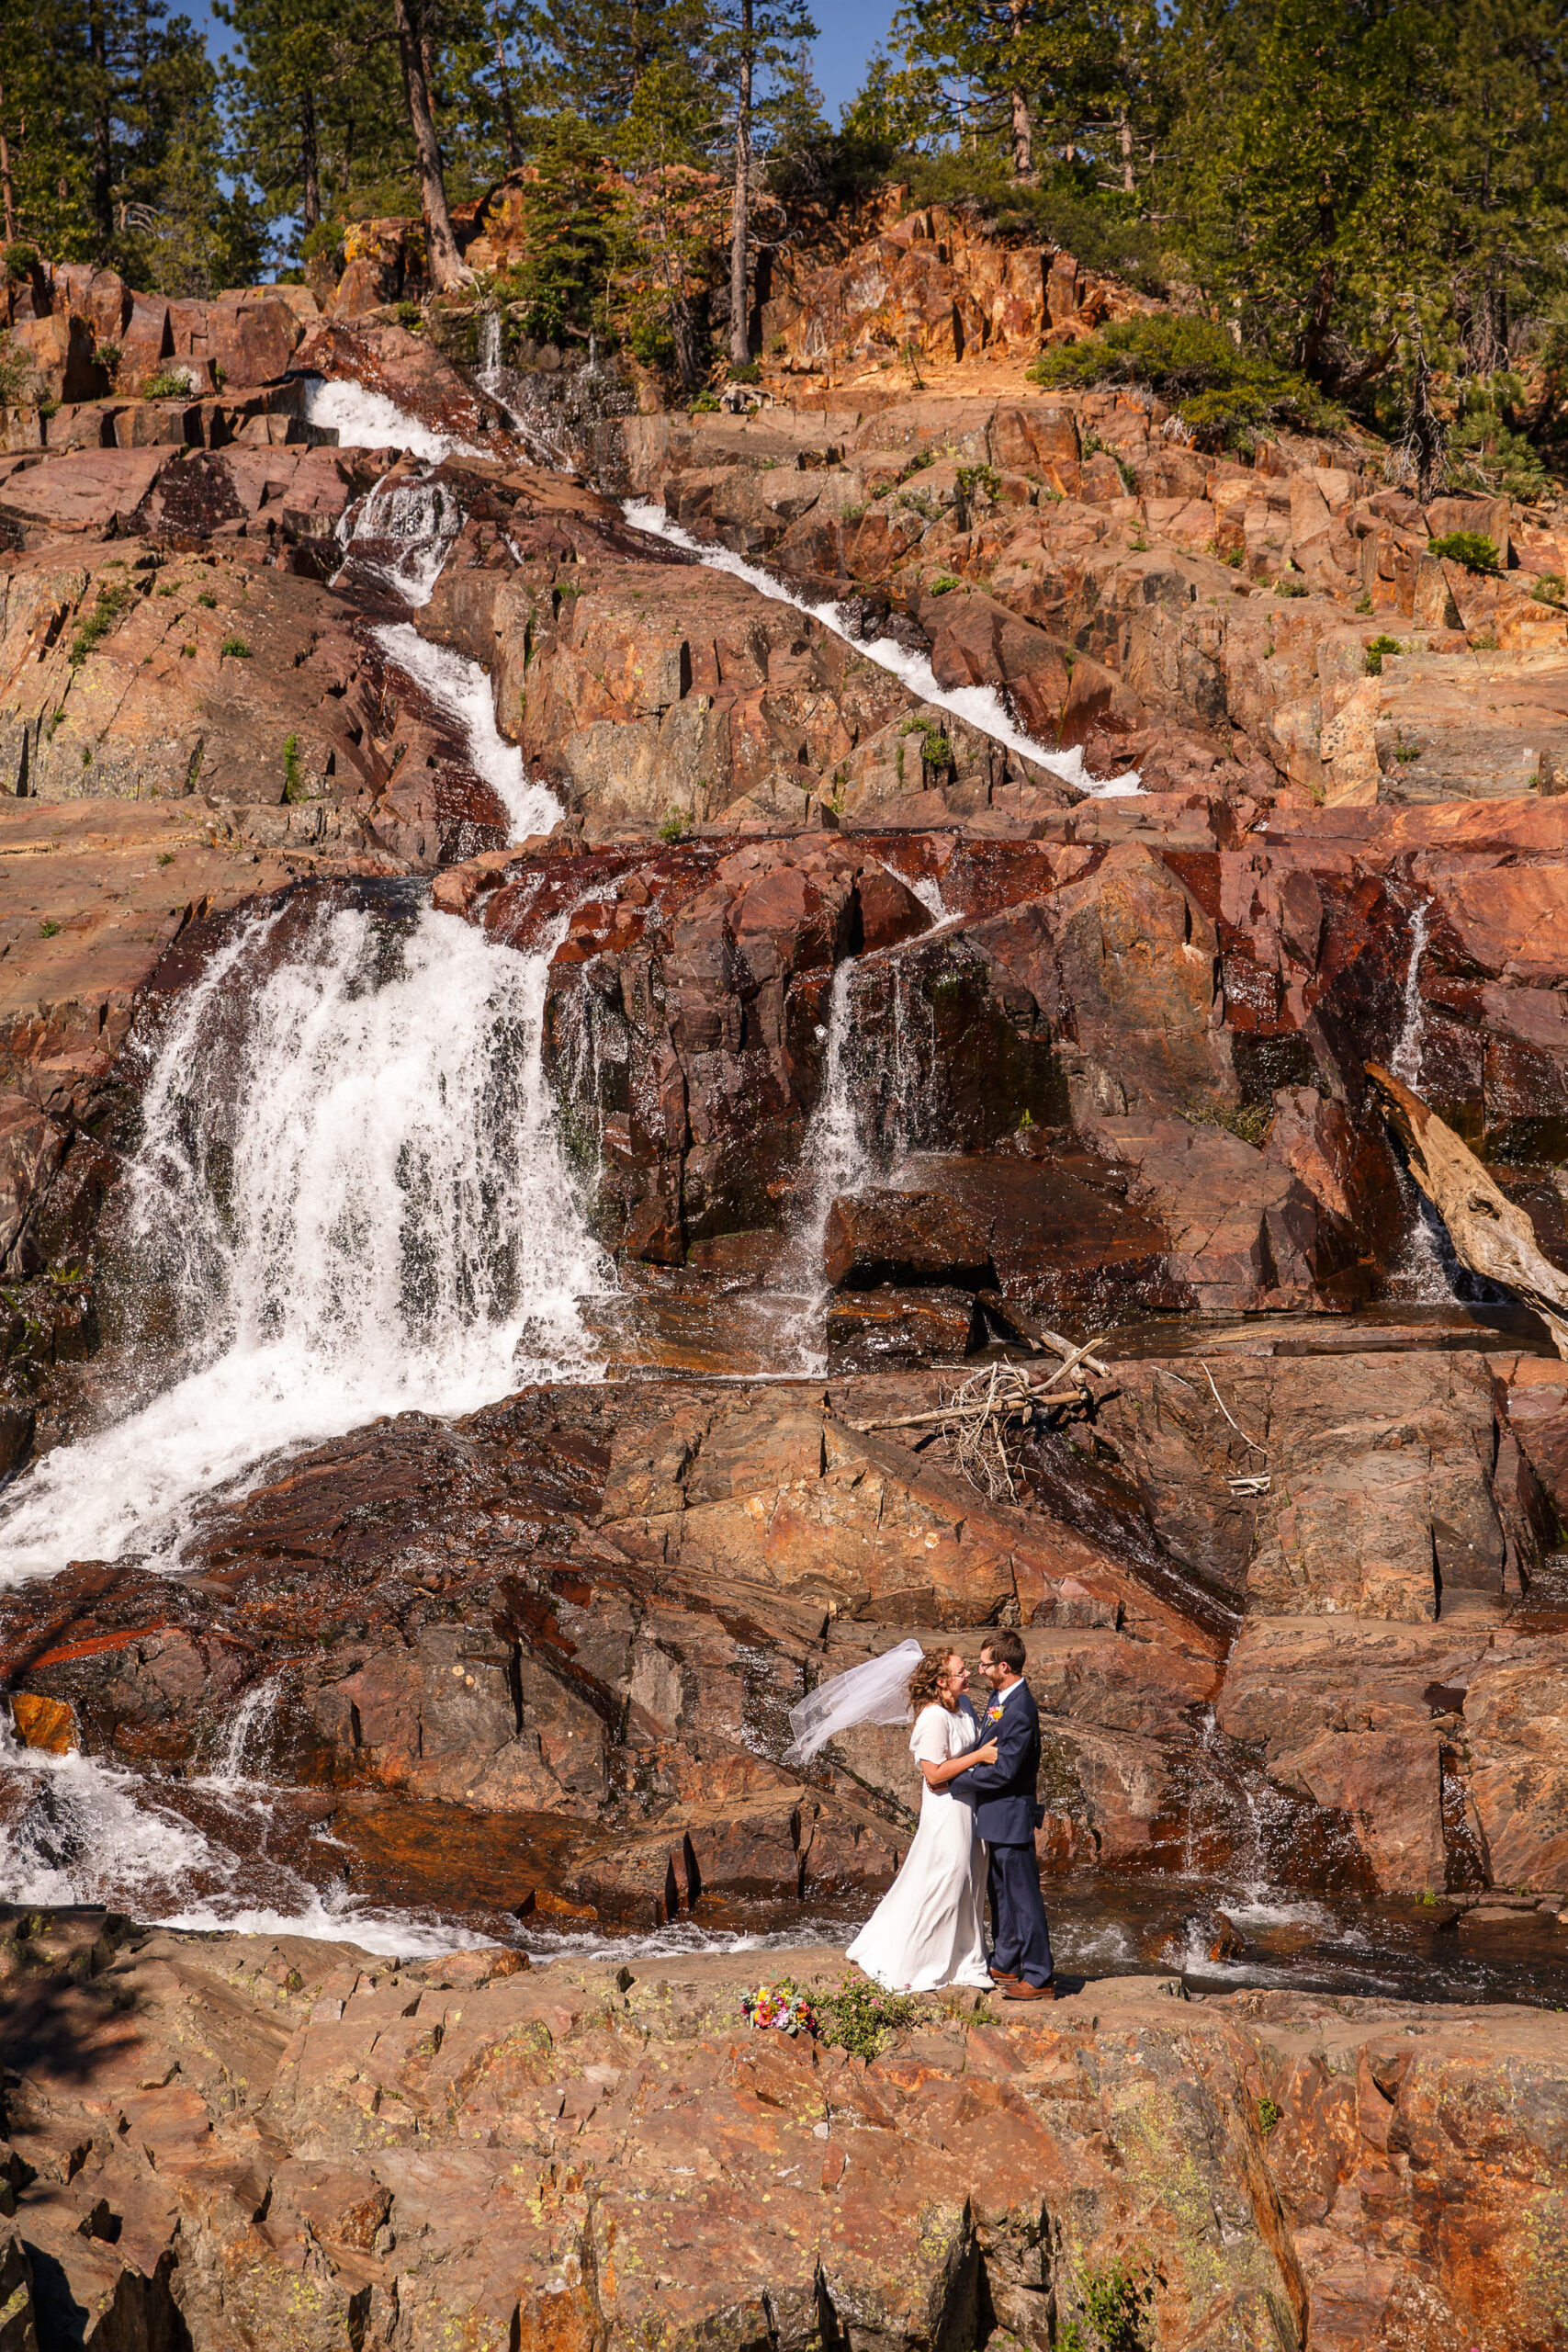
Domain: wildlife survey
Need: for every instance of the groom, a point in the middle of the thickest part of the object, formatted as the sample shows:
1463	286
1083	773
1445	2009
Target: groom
1007	1815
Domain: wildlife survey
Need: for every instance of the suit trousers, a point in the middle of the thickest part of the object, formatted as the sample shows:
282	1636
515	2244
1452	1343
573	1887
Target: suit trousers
1022	1940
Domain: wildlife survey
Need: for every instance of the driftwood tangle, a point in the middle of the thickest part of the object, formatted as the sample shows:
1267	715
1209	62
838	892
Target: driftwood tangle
1490	1236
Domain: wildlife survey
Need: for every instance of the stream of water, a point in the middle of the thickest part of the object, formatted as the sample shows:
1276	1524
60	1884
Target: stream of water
356	1192
980	707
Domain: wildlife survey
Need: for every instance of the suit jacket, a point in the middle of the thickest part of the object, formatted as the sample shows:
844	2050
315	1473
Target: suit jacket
1007	1810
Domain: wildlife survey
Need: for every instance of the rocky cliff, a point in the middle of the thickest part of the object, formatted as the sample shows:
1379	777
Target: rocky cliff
685	963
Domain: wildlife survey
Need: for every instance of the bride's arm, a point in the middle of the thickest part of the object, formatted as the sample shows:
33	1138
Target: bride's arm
937	1776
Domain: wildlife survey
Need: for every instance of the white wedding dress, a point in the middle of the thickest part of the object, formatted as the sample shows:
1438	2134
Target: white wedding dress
928	1929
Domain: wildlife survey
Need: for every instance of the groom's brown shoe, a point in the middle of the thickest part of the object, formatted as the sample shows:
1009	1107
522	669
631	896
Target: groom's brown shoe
1020	1992
1000	1978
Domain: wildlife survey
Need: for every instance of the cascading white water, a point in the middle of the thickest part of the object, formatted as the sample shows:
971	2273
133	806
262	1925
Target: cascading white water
419	520
1405	1061
488	369
366	420
981	707
94	1834
353	1182
462	687
1427	1275
835	1155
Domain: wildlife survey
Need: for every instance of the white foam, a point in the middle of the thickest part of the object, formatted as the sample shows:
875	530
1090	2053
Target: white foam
94	1834
462	687
366	420
981	707
361	1204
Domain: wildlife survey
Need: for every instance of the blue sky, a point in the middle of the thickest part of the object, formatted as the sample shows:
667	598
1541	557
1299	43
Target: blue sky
851	31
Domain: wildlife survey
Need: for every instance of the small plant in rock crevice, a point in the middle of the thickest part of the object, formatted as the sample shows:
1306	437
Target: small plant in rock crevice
1113	2304
294	788
1267	2116
1473	549
1548	589
674	826
235	649
1248	1122
1379	647
95	626
935	748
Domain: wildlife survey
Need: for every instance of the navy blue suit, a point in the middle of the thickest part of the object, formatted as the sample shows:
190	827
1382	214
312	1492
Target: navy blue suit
1007	1814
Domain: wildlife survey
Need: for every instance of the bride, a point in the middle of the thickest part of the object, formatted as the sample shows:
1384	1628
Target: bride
927	1930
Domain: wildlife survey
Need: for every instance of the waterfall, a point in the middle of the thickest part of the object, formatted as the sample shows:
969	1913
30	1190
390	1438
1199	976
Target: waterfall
834	1154
91	1833
1405	1062
980	707
256	1708
488	369
366	420
462	687
1429	1274
404	532
353	1186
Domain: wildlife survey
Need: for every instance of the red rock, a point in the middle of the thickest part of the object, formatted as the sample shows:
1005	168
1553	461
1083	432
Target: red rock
866	1328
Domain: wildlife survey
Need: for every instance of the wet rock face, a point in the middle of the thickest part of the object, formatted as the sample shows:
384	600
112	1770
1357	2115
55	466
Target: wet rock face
323	2143
579	1621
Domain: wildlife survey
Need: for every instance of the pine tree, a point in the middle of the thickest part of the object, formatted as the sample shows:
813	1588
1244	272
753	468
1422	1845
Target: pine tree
1310	199
1031	72
752	44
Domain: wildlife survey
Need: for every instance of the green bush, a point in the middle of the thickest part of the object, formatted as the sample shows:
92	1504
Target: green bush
1111	2307
861	2019
49	928
168	384
1473	549
1375	651
945	583
1548	589
409	315
1222	394
293	776
236	649
21	260
706	404
750	373
673	827
92	629
935	748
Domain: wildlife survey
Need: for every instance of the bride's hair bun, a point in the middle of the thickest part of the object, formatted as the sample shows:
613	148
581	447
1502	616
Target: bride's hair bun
925	1683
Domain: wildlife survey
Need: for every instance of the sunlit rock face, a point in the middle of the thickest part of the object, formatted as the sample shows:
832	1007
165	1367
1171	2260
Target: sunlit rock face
556	1028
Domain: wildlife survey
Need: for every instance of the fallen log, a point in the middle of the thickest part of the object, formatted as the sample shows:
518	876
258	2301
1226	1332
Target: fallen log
1490	1236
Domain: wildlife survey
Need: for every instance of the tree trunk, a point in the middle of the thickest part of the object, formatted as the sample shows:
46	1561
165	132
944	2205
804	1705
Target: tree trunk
1021	129
447	270
6	174
103	169
739	339
1021	137
509	120
1490	1236
309	165
1126	129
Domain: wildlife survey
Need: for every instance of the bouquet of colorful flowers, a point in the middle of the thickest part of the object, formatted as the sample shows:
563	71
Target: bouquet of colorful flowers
783	2006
